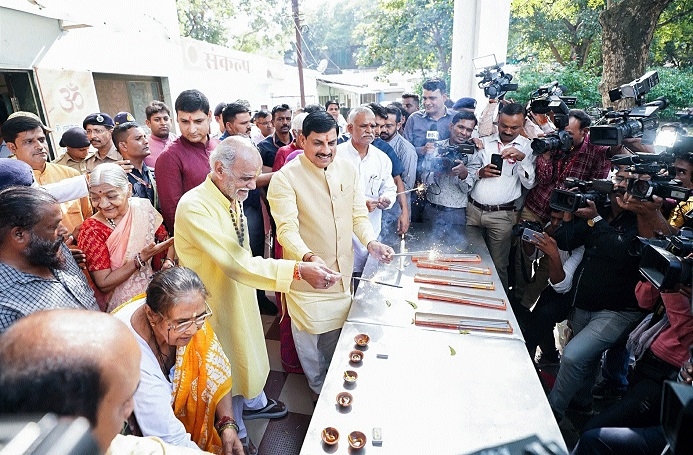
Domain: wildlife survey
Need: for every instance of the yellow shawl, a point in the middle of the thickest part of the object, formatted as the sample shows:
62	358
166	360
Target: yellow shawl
201	378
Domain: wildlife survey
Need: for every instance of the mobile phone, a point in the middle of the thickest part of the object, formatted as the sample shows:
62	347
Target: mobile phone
528	235
497	159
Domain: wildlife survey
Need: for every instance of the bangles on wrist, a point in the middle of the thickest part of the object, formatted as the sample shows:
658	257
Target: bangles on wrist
139	263
225	423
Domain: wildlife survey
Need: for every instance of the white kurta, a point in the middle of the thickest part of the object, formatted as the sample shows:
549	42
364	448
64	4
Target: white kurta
375	172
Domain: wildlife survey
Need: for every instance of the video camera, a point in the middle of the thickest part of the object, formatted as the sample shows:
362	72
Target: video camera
663	260
685	116
519	228
640	121
549	98
588	190
558	143
445	157
662	180
35	434
494	81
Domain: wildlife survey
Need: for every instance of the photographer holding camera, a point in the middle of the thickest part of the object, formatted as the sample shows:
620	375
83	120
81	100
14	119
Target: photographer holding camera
605	309
583	161
553	305
681	214
446	174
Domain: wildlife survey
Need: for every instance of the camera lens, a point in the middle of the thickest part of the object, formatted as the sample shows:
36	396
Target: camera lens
641	188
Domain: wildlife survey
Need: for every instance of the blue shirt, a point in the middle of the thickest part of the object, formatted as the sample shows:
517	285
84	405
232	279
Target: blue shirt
419	123
143	185
397	166
268	148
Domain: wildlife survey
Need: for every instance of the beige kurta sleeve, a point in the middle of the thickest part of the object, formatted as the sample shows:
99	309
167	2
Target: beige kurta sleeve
282	199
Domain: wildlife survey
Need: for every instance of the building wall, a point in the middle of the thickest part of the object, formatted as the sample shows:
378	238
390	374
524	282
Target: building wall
137	39
20	49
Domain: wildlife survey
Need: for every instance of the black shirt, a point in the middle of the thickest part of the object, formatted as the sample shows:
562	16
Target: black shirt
606	277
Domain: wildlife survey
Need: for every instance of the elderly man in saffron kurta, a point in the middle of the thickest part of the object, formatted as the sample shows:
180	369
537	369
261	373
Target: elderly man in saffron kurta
212	239
318	204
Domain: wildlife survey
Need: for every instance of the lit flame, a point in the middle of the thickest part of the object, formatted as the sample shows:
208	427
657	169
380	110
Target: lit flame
433	255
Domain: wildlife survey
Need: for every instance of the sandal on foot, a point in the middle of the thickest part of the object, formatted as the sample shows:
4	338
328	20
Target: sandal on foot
274	410
248	446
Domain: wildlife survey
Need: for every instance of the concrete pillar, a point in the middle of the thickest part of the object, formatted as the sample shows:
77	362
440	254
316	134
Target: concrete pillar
480	28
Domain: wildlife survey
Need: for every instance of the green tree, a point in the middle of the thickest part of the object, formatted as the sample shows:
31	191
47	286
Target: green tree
561	31
204	20
267	27
329	31
672	43
240	24
409	36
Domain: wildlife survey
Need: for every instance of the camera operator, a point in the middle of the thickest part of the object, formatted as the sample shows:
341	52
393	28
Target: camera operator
683	165
584	161
661	361
553	305
632	425
492	199
605	309
447	188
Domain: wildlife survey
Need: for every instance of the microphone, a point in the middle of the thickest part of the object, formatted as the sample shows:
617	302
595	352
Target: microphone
432	134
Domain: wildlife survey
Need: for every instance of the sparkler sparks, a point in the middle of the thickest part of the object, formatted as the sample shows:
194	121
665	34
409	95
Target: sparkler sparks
420	190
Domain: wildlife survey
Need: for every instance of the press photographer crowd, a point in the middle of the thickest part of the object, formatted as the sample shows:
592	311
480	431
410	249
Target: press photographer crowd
588	219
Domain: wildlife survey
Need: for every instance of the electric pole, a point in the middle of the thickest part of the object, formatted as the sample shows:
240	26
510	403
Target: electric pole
299	51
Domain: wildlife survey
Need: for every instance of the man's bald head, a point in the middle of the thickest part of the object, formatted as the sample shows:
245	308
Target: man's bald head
236	165
233	148
70	362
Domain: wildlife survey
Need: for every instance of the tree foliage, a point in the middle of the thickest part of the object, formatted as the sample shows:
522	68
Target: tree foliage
672	43
266	28
329	32
239	24
204	20
410	36
579	82
565	31
561	31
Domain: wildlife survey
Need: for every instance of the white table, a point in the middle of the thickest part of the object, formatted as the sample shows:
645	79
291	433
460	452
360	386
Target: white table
438	391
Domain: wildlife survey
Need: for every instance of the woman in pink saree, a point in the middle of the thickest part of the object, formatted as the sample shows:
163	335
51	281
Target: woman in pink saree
125	241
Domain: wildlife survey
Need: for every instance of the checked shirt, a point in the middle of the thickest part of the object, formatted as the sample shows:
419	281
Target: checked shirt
23	293
590	162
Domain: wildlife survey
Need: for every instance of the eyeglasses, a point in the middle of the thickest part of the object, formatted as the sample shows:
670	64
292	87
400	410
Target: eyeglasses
198	321
373	185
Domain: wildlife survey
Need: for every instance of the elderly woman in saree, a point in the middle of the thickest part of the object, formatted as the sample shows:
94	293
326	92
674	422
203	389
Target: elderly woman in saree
184	396
122	238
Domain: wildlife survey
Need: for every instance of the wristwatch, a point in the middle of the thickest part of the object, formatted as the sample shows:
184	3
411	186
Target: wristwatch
594	221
